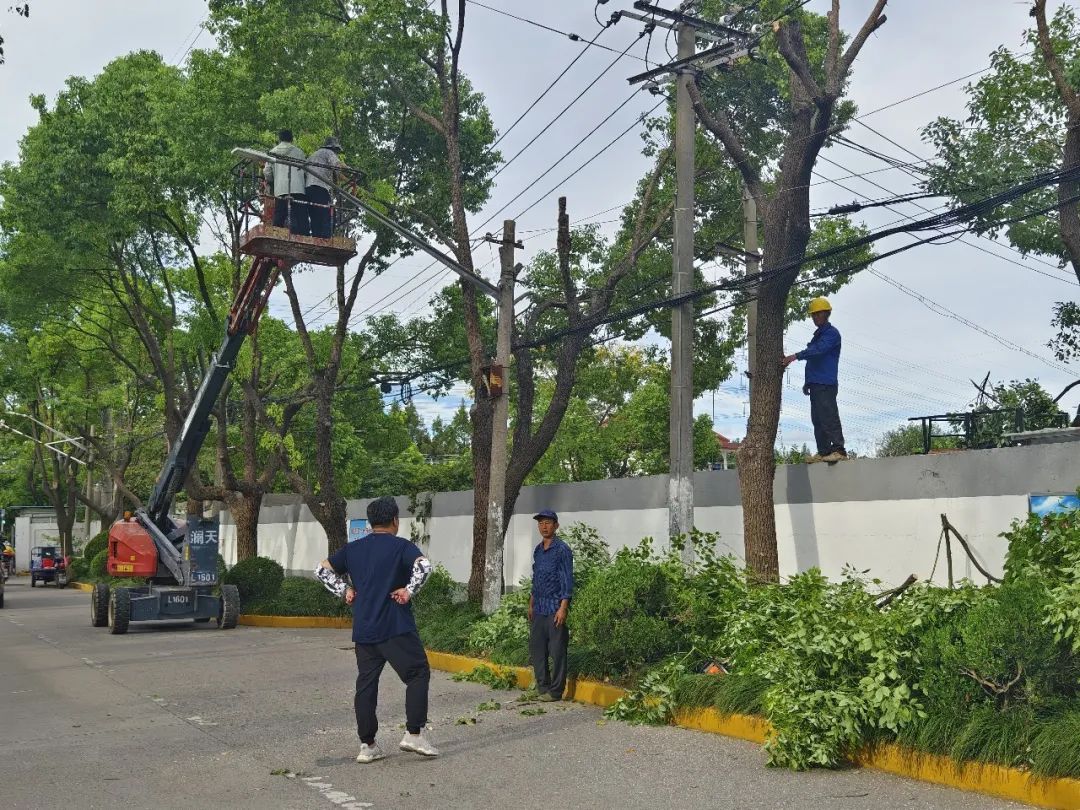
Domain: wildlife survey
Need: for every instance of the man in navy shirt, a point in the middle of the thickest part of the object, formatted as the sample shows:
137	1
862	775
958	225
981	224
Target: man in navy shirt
386	571
822	357
549	602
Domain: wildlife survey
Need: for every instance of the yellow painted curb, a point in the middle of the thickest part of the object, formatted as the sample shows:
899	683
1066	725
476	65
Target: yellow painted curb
743	726
594	692
80	586
295	621
995	780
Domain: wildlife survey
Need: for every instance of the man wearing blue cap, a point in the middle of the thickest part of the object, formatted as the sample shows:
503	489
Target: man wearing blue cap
549	602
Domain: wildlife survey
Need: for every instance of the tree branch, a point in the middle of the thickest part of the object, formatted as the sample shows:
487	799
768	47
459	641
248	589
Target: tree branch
721	127
874	21
792	47
1053	63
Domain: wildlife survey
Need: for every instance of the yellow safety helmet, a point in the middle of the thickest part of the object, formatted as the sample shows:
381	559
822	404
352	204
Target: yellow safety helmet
820	305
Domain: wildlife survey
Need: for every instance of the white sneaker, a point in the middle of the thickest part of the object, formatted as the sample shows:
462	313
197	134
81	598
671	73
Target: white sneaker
369	753
419	744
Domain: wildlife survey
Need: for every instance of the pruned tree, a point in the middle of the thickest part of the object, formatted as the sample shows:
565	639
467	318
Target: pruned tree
812	107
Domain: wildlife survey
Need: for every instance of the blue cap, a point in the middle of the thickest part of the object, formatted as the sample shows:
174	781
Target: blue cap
546	513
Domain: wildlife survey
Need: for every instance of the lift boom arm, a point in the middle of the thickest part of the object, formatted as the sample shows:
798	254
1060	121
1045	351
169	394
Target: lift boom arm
243	317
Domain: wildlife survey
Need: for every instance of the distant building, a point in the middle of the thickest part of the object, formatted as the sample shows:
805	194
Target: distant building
728	449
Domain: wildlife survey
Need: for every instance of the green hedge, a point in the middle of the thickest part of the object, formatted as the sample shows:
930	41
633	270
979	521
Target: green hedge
99	564
95	545
300	596
258	579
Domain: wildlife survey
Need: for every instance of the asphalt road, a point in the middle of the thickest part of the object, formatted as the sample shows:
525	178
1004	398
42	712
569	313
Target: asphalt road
179	716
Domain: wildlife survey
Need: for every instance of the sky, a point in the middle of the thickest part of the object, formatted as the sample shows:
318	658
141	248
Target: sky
916	331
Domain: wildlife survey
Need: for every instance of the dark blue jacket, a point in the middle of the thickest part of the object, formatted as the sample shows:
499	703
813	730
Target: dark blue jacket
822	356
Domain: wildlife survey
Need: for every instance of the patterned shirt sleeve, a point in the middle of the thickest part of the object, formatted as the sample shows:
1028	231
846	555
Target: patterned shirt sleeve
420	572
331	581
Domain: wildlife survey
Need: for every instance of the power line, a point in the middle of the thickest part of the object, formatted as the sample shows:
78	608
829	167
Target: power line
568	34
940	309
547	89
544	129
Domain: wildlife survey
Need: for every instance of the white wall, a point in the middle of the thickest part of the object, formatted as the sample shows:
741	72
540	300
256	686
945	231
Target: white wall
891	539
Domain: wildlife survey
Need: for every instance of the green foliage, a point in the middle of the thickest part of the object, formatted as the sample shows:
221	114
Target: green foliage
299	596
447	628
504	635
834	670
652	700
79	569
438	592
624	612
1055	746
591	553
98	565
905	440
1015	127
95	544
1046	551
257	578
489	676
1006	645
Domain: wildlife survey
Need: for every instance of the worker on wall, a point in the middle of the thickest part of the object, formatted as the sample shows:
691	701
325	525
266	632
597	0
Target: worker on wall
822	356
324	163
289	185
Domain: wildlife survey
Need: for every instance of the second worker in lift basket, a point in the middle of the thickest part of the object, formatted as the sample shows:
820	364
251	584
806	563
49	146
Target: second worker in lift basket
822	356
324	164
289	186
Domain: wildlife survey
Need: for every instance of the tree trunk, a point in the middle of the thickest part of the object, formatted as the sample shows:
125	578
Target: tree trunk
333	521
245	512
757	461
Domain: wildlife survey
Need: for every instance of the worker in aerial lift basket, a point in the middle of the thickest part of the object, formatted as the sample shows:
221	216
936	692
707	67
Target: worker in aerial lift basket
289	185
386	571
822	356
325	163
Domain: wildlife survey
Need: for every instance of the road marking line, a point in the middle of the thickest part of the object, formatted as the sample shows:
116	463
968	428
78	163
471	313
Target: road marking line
338	797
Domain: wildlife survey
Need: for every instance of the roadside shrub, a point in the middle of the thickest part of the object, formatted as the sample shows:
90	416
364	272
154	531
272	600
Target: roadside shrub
1006	648
504	635
447	628
1055	747
98	543
98	565
302	596
438	592
257	578
834	673
79	569
624	612
591	553
1043	548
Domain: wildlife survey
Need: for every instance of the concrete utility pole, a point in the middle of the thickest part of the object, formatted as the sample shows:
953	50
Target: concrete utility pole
681	481
499	390
750	248
728	45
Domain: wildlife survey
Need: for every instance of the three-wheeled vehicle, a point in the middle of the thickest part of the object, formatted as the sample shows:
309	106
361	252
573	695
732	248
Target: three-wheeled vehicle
48	565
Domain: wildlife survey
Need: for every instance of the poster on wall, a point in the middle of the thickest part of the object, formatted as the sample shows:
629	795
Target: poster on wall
358	527
1052	504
